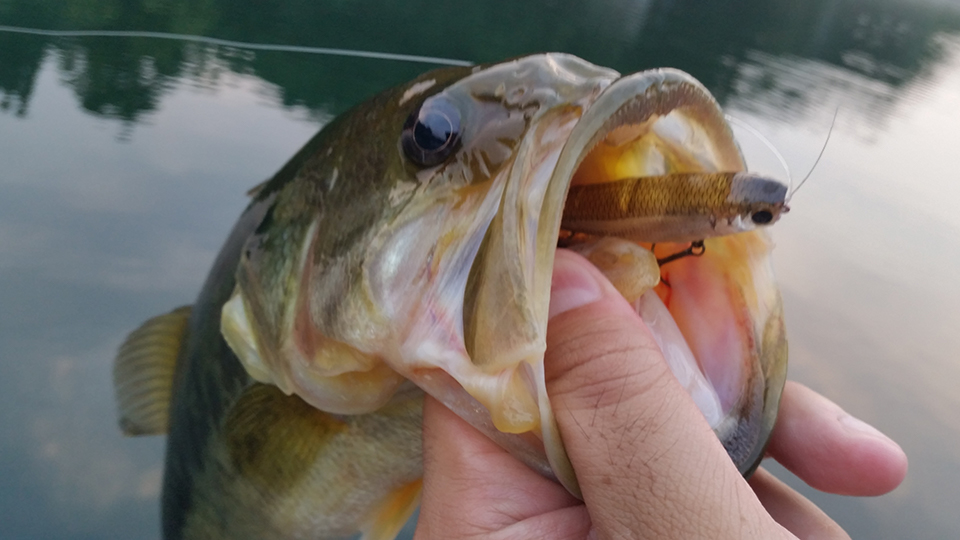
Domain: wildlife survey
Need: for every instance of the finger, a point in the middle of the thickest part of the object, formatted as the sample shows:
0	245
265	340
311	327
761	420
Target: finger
794	511
831	450
473	487
648	464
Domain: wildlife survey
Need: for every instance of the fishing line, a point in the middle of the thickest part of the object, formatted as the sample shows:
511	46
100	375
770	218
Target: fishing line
822	150
766	142
330	51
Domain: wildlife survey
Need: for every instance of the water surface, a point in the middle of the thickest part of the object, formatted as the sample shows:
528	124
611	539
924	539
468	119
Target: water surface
124	162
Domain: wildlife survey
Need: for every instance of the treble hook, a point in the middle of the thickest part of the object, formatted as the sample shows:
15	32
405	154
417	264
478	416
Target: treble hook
696	249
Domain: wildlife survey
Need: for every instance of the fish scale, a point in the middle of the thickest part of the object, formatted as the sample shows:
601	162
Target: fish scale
650	196
675	207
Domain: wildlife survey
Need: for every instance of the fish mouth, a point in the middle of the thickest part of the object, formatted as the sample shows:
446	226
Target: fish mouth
717	317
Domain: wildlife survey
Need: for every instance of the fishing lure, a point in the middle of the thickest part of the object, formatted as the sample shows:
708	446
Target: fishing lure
681	207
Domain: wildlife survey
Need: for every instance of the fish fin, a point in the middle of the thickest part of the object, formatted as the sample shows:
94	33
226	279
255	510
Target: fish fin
385	522
143	373
255	190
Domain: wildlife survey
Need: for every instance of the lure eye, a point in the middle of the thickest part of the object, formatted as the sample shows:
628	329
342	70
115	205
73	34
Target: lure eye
431	133
762	217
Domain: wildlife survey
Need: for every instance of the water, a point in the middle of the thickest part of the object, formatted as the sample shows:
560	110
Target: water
124	161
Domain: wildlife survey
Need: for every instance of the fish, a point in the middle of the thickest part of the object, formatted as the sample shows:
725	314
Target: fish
406	250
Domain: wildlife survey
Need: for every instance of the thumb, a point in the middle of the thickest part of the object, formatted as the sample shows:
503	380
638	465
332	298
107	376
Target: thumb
648	464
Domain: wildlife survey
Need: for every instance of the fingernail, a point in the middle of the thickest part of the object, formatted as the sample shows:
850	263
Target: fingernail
574	284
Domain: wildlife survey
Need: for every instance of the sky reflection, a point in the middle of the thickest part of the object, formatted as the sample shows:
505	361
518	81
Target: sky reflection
866	261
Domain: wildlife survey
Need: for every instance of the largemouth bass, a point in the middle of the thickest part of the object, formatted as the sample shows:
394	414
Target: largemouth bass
408	248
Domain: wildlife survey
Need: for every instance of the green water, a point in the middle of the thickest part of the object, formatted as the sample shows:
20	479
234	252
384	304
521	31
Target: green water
124	161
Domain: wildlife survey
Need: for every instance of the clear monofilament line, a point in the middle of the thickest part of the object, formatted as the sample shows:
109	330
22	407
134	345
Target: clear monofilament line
822	150
331	51
766	142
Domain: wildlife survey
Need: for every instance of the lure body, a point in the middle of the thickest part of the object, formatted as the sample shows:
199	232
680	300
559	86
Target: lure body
678	207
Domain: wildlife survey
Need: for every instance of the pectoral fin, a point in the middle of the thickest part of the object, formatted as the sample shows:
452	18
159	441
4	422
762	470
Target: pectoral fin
386	521
143	373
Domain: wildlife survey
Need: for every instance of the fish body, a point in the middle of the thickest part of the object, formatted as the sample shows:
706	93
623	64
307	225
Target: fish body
407	248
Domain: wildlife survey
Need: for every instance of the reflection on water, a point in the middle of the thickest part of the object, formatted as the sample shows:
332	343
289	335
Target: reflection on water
886	42
125	161
868	270
96	235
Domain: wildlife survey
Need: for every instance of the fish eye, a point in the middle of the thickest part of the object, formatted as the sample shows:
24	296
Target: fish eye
762	217
431	133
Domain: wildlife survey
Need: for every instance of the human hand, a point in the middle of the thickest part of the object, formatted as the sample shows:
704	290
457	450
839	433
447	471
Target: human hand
647	462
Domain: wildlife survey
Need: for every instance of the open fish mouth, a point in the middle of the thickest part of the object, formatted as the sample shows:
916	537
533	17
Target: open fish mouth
717	317
450	288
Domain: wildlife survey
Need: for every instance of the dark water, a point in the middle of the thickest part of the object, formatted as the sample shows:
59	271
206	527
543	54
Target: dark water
124	161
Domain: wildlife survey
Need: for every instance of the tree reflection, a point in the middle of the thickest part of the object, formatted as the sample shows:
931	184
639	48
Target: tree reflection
737	49
19	63
115	78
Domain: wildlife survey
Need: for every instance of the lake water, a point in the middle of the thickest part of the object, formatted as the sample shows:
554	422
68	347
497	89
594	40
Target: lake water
124	162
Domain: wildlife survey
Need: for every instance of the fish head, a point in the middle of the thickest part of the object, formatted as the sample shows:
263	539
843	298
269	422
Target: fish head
411	242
